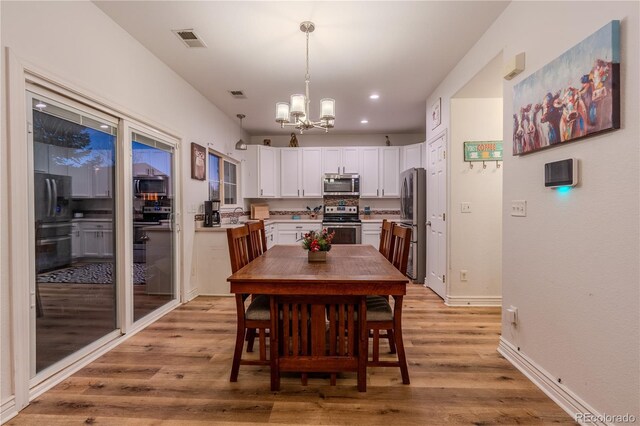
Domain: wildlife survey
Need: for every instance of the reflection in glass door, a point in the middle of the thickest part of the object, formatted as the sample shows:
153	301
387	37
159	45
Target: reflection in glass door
153	224
73	210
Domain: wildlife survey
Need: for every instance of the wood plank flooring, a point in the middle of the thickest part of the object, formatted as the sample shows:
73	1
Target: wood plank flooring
176	372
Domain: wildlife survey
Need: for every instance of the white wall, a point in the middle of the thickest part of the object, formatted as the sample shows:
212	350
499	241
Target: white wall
79	43
571	266
318	138
476	237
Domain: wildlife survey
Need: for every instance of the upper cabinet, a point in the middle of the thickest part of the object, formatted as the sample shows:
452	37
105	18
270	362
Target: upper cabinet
301	172
390	171
298	172
412	156
370	173
312	172
341	160
259	172
290	172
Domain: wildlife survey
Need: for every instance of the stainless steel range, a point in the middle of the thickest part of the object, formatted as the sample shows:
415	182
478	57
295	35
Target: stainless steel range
345	222
153	213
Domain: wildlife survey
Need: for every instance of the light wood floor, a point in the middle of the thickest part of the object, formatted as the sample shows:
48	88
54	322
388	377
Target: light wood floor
177	372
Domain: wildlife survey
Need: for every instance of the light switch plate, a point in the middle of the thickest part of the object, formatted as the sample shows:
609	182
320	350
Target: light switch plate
465	207
518	208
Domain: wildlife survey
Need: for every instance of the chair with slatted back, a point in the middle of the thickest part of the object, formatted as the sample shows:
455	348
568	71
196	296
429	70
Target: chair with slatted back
380	314
257	239
304	334
385	238
257	315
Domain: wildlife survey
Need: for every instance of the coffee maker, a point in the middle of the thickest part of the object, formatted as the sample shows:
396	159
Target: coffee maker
212	213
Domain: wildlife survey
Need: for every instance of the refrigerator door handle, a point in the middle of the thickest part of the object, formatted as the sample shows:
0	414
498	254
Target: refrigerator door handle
55	197
48	197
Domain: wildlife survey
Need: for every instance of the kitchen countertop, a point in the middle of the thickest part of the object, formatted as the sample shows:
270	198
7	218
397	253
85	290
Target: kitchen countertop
224	227
90	219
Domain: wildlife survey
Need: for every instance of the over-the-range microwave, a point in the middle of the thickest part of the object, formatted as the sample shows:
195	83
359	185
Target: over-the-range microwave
146	185
341	184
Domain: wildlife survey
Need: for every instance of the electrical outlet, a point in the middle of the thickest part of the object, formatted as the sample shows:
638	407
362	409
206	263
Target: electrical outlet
518	208
463	275
465	207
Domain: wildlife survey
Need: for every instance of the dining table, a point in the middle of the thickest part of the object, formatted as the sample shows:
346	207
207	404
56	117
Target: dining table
350	271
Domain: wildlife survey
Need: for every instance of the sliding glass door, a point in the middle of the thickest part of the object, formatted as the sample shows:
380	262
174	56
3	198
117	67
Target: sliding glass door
74	292
153	202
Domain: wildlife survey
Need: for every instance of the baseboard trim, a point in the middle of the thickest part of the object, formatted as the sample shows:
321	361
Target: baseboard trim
491	301
561	395
8	410
192	294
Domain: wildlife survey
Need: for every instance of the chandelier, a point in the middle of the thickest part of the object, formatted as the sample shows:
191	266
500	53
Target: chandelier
297	114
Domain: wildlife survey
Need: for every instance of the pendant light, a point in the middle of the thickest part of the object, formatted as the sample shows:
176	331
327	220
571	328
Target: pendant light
241	145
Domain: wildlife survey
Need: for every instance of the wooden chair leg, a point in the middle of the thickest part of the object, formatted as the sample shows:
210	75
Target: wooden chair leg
237	354
376	345
392	345
251	337
397	325
333	379
304	378
263	344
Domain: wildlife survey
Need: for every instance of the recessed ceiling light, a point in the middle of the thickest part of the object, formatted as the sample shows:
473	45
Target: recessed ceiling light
104	126
41	105
374	96
364	121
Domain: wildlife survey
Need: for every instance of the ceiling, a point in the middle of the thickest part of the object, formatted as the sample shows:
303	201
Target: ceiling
399	50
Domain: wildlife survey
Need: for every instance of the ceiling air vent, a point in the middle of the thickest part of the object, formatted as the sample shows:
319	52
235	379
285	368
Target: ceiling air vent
189	38
238	94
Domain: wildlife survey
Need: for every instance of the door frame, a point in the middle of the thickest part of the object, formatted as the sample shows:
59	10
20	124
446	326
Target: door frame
445	136
19	250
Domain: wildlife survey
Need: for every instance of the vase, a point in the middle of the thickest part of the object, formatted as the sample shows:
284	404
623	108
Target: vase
317	256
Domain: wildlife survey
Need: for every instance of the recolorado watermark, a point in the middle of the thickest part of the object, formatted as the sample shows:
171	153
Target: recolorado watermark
605	418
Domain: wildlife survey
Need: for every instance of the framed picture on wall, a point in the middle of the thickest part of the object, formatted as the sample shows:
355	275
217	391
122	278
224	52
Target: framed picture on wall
435	114
572	97
198	162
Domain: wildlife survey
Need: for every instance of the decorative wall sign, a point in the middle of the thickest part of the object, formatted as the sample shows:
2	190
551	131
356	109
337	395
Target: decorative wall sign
198	162
573	96
483	151
435	114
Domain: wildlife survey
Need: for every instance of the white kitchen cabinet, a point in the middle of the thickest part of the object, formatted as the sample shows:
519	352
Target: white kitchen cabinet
40	157
390	172
369	172
259	175
311	172
76	240
271	235
292	233
371	233
412	156
290	172
102	182
81	181
58	157
341	160
97	239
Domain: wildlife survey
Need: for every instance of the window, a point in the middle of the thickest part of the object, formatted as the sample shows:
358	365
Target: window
223	180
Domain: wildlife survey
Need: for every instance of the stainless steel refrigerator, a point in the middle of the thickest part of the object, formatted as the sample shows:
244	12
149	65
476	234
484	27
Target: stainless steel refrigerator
53	221
413	211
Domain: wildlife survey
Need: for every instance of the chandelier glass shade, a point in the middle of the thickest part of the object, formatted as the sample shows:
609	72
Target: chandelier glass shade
296	112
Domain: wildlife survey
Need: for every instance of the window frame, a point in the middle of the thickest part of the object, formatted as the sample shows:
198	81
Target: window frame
221	160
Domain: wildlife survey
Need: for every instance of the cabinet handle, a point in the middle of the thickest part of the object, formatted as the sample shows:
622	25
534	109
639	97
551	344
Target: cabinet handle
383	192
298	192
303	192
338	169
342	169
377	192
261	191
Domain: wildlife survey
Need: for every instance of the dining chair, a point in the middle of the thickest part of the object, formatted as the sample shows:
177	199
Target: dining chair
257	239
257	315
385	238
380	314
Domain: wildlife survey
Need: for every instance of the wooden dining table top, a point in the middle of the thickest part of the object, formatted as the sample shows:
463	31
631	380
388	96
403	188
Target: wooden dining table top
354	269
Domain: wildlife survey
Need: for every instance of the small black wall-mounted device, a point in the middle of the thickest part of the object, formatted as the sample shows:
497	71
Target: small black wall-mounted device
561	173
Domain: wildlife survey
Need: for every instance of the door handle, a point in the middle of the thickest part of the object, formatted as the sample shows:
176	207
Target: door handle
55	197
48	182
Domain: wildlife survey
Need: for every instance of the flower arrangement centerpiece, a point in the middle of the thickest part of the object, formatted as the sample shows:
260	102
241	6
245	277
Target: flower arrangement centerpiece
318	243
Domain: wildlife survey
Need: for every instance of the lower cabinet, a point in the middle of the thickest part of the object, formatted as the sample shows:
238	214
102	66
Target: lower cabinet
371	233
271	234
292	233
92	239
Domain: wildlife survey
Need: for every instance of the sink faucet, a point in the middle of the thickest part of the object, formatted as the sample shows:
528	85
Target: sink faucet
234	219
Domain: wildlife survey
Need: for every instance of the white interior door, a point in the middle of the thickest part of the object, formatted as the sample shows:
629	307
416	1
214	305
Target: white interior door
436	215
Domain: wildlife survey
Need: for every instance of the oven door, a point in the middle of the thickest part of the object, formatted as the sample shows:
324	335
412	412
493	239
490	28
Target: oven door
345	233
